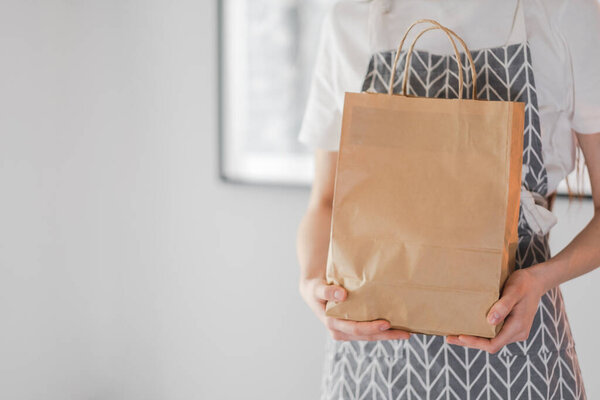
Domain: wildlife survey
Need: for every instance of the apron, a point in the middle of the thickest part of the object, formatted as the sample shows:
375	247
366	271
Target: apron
544	366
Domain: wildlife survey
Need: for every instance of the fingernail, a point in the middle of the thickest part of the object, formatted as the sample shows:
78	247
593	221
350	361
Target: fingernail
338	294
494	318
384	327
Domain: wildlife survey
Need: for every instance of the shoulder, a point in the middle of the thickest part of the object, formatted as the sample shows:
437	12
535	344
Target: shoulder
346	27
350	6
344	14
566	11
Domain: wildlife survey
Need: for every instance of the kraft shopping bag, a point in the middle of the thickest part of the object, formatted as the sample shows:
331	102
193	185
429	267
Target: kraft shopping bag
426	203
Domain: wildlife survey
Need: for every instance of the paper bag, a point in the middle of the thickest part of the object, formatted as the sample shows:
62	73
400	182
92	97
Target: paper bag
425	210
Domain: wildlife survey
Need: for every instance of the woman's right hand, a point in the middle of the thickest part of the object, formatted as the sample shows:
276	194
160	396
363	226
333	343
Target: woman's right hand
316	293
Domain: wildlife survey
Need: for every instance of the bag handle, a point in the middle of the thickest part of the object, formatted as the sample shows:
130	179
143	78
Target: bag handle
458	60
450	35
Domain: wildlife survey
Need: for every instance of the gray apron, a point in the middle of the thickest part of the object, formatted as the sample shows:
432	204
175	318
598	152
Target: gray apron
544	366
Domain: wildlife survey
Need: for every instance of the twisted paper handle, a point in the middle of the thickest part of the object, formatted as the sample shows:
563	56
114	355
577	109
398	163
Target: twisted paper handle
450	35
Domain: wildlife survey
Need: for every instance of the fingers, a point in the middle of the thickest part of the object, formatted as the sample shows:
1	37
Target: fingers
511	331
345	329
316	293
342	329
503	306
370	330
391	334
473	342
325	292
355	328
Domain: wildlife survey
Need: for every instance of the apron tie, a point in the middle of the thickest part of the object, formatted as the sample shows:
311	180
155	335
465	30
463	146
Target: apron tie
536	213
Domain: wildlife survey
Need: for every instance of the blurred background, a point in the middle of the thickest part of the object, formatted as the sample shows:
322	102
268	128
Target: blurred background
128	268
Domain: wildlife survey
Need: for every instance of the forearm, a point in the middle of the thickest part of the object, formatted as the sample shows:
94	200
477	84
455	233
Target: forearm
581	256
313	241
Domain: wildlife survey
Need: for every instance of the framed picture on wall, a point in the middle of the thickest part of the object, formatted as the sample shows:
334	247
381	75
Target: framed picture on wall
267	51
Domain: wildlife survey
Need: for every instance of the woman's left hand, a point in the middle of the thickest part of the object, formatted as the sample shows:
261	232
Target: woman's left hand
517	307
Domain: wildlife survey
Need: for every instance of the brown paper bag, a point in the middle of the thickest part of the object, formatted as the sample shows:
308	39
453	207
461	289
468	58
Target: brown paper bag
425	210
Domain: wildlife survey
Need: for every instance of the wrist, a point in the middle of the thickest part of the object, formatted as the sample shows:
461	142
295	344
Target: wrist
544	273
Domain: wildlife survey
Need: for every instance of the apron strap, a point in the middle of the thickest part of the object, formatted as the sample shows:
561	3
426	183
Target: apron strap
518	32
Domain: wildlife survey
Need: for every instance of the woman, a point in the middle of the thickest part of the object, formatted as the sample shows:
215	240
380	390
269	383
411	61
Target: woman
543	53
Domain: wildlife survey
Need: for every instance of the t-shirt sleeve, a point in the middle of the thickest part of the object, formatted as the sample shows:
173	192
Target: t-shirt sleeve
322	120
580	26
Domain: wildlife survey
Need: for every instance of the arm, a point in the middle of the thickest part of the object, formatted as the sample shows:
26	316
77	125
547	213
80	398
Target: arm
525	287
582	255
312	247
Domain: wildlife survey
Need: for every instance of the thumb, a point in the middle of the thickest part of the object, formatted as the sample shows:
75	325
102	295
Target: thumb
325	291
502	308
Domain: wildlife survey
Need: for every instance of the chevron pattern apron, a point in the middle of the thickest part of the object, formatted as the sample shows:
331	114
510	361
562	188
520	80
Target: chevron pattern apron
544	366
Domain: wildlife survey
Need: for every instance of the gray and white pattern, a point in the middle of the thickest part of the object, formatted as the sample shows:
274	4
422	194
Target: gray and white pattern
544	366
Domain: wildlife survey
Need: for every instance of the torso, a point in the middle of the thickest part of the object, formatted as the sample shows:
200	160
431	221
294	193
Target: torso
483	24
545	365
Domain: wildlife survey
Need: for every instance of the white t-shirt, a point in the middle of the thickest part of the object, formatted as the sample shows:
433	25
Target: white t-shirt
563	36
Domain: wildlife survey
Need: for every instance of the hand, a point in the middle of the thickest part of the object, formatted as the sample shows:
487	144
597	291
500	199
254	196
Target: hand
517	306
316	293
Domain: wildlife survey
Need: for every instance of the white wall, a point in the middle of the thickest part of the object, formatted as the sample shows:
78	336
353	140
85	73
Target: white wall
127	269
